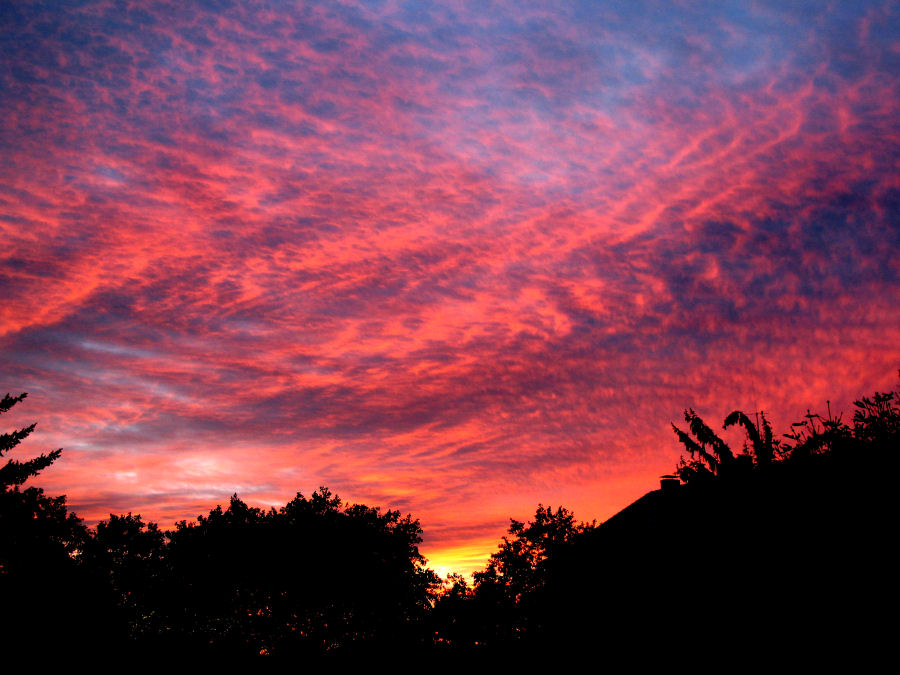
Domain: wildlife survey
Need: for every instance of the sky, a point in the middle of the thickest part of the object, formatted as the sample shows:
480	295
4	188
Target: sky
456	258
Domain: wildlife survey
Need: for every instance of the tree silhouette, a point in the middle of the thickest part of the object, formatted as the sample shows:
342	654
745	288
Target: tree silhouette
710	455
519	566
314	576
39	576
128	557
508	599
14	473
877	419
793	530
875	431
783	547
762	445
455	620
31	524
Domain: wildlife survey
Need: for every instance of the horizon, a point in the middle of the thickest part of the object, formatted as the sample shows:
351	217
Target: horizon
469	557
446	260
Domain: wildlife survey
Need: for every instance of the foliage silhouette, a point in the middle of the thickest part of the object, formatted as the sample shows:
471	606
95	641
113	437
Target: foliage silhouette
56	600
710	455
507	599
876	420
128	555
14	473
761	442
455	620
876	426
779	549
314	576
785	537
519	567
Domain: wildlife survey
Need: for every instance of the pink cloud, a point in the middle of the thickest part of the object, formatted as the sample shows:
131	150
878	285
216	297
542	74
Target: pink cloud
457	263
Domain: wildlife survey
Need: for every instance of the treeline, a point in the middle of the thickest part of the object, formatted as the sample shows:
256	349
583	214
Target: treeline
783	536
314	576
779	545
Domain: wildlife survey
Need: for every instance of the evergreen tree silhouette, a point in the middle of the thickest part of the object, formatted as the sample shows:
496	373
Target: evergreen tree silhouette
49	599
14	473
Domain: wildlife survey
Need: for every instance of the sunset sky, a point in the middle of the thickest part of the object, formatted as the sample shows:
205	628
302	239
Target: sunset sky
453	258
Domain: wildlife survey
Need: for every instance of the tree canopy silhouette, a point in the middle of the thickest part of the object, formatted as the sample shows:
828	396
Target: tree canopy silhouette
508	600
313	576
520	565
